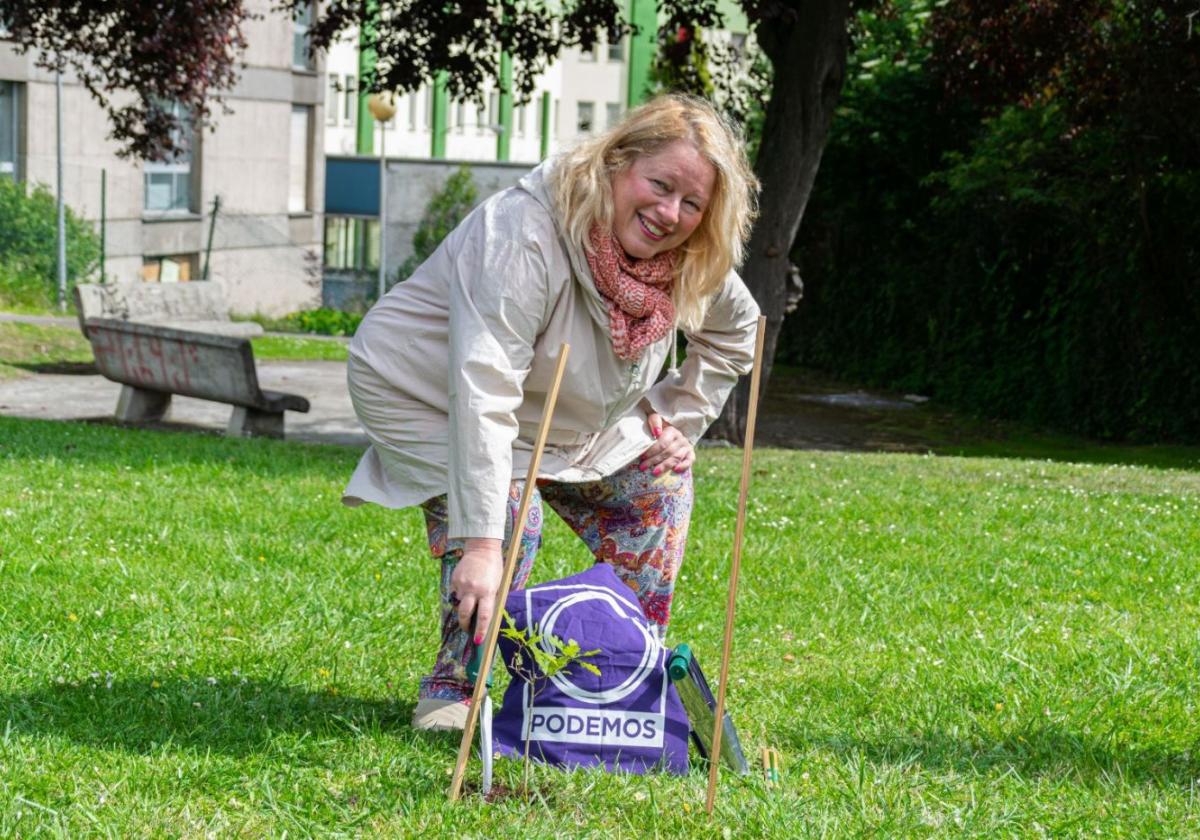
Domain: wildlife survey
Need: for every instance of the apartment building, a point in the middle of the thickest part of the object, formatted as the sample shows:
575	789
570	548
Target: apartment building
574	96
263	161
431	134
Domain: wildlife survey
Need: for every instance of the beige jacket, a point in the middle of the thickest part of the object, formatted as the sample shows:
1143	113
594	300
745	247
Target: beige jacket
449	370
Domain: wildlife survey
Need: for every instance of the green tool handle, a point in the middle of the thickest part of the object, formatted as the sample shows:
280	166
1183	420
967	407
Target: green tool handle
476	661
679	663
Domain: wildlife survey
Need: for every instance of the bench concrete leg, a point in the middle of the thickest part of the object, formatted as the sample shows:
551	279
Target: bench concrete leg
249	422
138	406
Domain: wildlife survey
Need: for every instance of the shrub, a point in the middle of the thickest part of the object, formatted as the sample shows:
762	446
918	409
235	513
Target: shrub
324	321
28	246
445	210
21	288
1018	265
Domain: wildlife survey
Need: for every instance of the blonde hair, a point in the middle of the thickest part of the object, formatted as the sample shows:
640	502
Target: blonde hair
581	185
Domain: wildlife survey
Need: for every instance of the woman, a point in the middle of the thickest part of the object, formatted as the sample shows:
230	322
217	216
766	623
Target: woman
609	247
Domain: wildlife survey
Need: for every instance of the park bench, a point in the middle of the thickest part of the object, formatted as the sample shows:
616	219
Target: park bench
198	306
152	363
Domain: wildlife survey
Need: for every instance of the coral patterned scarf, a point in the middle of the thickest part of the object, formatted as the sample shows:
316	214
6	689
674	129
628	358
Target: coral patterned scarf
638	293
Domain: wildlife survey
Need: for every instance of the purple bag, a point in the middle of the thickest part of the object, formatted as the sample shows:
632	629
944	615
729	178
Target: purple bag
628	718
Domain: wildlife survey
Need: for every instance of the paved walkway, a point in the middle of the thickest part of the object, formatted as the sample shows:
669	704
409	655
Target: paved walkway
44	320
57	396
331	419
793	415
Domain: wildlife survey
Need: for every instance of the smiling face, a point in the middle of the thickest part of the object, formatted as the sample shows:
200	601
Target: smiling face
659	199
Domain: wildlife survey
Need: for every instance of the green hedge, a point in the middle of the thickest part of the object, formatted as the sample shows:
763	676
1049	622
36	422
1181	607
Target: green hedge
1015	266
29	246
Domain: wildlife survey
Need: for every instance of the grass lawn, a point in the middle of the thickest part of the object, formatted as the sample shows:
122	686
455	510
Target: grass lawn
32	346
196	638
286	348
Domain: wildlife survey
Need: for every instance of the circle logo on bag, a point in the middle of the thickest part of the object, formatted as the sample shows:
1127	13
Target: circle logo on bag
651	648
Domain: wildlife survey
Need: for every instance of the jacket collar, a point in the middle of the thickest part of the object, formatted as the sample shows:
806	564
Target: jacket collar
535	183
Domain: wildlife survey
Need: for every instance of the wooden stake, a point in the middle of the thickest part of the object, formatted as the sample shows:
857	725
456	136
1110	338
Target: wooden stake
714	754
510	567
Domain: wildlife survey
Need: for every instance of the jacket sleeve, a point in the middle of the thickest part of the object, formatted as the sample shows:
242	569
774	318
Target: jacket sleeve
691	397
498	301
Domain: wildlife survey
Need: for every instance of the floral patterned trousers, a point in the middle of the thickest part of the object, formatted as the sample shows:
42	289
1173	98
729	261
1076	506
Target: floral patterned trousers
634	521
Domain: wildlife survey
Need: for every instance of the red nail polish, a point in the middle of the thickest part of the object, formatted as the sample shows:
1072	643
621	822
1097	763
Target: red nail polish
657	470
642	467
478	638
656	432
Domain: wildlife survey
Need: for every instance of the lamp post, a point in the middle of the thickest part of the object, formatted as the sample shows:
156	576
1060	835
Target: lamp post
382	107
60	207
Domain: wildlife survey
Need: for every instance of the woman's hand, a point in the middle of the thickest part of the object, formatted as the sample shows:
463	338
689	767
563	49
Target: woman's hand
475	581
671	449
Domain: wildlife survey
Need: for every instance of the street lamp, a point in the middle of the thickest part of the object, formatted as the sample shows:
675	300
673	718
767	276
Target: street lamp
382	106
60	207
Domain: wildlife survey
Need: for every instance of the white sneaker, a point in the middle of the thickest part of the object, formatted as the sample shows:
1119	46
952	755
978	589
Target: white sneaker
441	715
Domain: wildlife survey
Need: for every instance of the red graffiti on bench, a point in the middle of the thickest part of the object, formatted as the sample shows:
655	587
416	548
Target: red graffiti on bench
148	362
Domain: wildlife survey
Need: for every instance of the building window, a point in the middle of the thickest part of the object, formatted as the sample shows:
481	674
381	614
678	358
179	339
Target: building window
302	20
300	159
616	50
494	108
350	109
556	110
585	119
480	118
168	182
351	243
331	101
460	116
521	120
10	129
612	114
412	110
172	268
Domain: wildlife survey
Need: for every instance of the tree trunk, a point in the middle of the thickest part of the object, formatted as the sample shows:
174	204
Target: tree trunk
806	41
